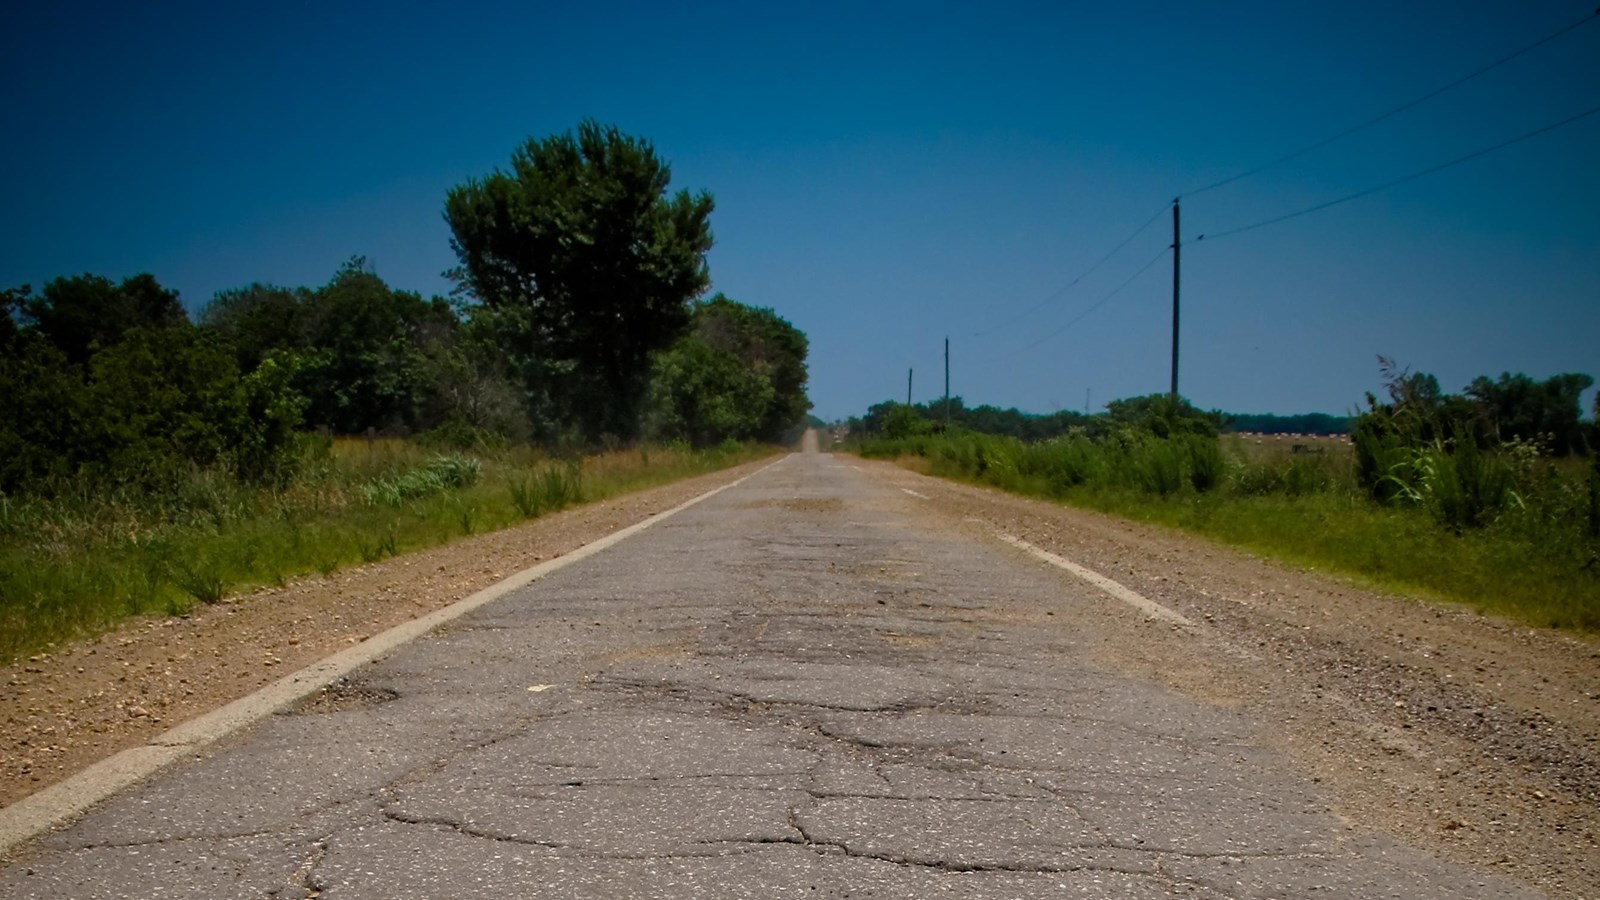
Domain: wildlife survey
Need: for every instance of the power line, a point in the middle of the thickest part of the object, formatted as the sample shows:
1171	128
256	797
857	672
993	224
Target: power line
1058	292
1399	181
1398	109
1099	303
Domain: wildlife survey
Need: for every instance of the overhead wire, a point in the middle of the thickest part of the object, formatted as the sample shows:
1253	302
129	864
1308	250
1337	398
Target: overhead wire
1399	181
1080	316
1058	292
1361	126
1340	135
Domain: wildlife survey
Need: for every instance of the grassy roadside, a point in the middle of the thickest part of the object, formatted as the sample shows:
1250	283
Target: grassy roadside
1526	567
76	565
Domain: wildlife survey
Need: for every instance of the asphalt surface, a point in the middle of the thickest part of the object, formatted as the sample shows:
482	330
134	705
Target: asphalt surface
805	686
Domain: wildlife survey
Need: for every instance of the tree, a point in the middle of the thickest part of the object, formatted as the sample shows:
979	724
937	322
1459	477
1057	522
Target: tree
86	312
704	395
159	400
739	373
766	345
1159	415
42	408
589	265
259	320
367	366
368	354
11	304
1516	406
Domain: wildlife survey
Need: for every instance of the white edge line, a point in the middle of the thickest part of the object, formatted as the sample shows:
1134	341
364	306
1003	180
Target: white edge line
61	802
915	494
1132	598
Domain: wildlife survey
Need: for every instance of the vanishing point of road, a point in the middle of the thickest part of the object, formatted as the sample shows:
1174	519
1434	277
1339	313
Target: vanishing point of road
803	686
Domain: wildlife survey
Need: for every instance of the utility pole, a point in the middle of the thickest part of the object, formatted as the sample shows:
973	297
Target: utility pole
908	386
1176	246
946	384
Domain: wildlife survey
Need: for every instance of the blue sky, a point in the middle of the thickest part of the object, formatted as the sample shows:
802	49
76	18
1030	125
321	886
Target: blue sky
886	175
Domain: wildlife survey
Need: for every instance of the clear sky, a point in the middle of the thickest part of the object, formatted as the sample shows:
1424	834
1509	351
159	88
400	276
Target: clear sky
886	174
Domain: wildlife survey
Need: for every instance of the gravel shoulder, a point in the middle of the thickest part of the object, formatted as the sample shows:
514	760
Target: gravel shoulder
68	709
1474	736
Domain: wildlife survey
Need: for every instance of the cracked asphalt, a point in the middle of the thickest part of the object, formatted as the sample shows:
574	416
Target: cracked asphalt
807	686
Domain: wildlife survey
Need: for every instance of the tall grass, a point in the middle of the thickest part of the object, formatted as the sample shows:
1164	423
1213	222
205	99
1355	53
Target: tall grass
1510	532
80	562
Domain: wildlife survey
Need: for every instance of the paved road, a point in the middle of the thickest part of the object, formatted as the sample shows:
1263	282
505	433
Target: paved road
799	688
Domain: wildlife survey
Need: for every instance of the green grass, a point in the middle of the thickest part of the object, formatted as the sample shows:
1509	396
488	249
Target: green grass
76	565
1536	562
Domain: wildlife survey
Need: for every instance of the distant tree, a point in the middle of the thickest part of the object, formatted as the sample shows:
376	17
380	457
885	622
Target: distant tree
86	312
1305	423
587	266
902	421
766	345
739	372
1516	406
1159	415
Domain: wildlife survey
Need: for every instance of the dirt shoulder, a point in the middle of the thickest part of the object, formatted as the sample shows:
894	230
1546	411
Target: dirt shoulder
66	710
1473	736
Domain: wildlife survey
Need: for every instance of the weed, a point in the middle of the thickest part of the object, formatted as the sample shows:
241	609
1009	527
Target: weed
200	577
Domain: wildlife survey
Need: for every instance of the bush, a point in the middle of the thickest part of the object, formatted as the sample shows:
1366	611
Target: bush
547	490
1206	466
441	473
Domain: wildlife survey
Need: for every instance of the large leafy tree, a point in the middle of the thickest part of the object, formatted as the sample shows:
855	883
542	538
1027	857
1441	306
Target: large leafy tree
586	266
86	312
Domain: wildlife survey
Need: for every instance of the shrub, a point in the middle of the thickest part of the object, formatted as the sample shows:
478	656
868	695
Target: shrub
547	490
441	473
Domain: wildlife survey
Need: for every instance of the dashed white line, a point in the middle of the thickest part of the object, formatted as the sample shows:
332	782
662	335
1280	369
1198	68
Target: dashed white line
915	494
1132	598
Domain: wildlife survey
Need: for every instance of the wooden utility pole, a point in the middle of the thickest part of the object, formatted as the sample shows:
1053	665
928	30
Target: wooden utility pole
1176	246
946	384
908	386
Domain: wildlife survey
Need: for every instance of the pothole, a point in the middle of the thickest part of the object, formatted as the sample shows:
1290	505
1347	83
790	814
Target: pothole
342	696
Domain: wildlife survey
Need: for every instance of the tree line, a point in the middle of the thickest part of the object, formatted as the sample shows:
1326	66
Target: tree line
578	319
1490	412
1154	413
